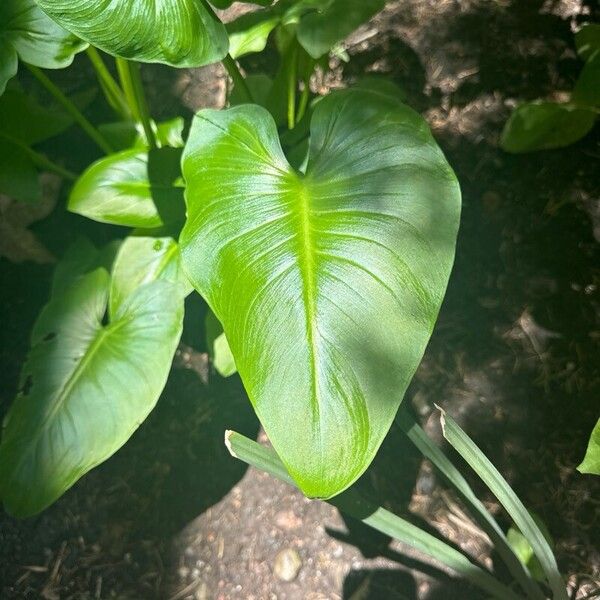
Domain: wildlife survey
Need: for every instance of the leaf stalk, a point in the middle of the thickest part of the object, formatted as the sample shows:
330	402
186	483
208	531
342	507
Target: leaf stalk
91	131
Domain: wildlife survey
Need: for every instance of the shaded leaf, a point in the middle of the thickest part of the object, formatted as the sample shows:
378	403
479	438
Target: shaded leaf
587	87
26	32
90	387
327	284
587	40
545	125
591	461
17	243
260	87
320	30
18	174
181	33
134	188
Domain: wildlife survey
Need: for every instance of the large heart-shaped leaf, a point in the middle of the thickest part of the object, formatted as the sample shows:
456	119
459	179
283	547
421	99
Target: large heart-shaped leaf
86	386
327	283
27	33
134	188
181	33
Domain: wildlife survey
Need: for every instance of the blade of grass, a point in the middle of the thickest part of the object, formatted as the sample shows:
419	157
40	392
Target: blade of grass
452	475
376	517
465	446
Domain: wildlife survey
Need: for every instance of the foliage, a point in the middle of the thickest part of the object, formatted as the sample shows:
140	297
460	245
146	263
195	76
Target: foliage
591	461
545	125
320	232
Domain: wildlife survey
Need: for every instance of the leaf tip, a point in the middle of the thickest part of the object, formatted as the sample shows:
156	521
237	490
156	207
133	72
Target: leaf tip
228	434
442	418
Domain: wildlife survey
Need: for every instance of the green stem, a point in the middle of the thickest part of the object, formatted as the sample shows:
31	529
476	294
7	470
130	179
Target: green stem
112	91
40	160
292	84
303	101
238	79
92	132
131	80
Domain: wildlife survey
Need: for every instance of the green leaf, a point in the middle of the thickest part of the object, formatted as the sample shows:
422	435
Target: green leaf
81	258
18	175
260	86
9	63
587	40
134	188
228	3
126	135
328	283
587	88
503	546
591	461
180	33
218	346
523	549
545	125
26	32
23	119
250	32
475	458
319	31
86	387
378	518
141	260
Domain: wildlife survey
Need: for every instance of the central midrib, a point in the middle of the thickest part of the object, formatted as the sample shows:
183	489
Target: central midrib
307	270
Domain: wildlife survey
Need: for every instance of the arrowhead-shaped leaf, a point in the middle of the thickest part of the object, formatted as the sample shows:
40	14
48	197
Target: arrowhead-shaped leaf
181	33
86	386
27	33
134	188
327	283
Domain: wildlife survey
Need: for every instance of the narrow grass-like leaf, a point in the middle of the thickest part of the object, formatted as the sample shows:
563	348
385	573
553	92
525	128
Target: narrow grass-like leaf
465	446
378	518
487	522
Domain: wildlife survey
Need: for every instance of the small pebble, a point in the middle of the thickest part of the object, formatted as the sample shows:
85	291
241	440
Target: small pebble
287	565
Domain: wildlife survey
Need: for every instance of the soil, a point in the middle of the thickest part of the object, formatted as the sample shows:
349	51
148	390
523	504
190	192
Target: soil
514	357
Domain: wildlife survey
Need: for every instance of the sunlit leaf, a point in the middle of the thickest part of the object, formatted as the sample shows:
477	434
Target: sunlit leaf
134	188
218	346
545	125
125	135
141	260
27	33
86	386
181	33
327	283
250	32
